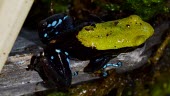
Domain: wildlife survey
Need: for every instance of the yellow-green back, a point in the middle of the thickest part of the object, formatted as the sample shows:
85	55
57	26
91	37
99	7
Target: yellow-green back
126	32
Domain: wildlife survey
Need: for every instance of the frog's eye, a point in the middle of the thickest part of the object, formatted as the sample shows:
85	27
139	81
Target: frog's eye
44	24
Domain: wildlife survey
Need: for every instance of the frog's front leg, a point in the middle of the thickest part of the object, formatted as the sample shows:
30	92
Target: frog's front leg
58	67
36	63
101	63
53	66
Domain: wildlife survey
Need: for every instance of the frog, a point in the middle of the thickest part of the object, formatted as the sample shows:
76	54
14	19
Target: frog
98	42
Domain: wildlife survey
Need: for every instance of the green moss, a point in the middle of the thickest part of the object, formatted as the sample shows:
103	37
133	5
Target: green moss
113	7
146	9
57	5
58	94
161	86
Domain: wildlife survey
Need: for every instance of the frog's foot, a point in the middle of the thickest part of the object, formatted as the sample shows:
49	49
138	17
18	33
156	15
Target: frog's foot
35	62
104	73
115	65
75	73
97	64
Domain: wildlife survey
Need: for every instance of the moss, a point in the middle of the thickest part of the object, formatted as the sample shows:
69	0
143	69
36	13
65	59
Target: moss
144	8
58	94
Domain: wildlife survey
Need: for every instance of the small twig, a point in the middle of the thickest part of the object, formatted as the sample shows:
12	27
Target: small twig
160	50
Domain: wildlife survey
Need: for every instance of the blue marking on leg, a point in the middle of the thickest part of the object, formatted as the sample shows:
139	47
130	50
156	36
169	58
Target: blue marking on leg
59	22
105	66
45	35
105	74
119	64
52	57
97	60
58	51
49	25
65	17
66	53
68	62
54	23
56	33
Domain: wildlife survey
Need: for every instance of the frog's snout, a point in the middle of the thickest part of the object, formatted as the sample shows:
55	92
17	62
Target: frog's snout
139	40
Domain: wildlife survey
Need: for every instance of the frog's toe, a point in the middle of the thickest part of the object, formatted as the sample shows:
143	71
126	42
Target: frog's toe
104	74
75	73
115	65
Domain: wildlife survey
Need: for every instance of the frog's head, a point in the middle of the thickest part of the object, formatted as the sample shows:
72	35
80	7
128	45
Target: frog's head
53	26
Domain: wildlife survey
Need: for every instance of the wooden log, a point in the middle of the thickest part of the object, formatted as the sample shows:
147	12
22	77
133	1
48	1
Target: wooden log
12	17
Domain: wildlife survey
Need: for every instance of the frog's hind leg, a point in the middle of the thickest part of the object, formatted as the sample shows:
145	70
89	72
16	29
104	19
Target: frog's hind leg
96	64
114	65
101	63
